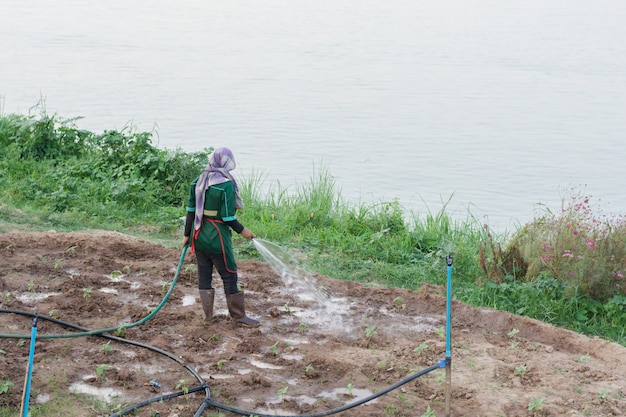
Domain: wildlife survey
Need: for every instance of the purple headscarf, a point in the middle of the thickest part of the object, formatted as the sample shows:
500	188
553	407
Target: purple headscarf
221	162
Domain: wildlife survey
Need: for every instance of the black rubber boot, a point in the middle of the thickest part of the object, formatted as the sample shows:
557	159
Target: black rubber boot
237	311
207	297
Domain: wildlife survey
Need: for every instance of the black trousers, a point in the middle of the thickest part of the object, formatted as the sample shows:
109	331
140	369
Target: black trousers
206	262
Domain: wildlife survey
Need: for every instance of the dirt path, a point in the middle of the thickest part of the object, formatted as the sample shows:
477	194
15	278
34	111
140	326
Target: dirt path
308	356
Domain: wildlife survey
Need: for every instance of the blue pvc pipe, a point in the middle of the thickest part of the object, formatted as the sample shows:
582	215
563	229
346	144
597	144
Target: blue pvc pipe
31	357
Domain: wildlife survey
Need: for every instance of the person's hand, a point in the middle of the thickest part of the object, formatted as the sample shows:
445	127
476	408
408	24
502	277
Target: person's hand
185	240
247	233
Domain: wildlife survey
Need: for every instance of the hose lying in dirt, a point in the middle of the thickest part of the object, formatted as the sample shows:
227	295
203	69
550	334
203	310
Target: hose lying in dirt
203	385
440	364
87	332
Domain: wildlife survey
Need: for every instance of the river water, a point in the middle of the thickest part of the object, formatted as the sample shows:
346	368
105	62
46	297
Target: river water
500	106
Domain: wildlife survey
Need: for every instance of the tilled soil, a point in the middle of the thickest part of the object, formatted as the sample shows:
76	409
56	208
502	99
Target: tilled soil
309	355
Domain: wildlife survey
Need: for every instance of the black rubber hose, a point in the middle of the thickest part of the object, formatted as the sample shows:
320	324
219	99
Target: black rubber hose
410	378
134	407
118	339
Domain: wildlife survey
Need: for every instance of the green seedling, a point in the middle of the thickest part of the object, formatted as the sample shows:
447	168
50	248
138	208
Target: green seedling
126	269
214	337
308	369
429	413
350	389
371	331
101	369
399	302
191	269
116	274
381	364
583	358
106	348
120	331
281	393
287	308
182	385
3	352
165	285
71	249
274	348
302	327
512	333
31	286
221	363
20	343
87	292
5	386
441	332
520	371
57	264
536	404
421	348
54	313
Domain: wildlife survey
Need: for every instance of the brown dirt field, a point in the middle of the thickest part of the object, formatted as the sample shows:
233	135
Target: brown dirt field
308	356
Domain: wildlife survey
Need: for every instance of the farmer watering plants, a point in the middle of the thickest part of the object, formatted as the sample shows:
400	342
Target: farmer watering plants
211	214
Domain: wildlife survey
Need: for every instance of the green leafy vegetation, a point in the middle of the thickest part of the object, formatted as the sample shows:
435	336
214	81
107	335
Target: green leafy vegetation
563	268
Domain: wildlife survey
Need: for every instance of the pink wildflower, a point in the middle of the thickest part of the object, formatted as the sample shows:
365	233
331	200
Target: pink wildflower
571	273
620	275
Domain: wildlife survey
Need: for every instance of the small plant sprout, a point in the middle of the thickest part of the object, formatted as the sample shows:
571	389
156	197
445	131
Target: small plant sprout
302	327
31	286
512	333
441	332
520	371
5	386
221	363
287	308
57	263
182	385
603	394
87	292
513	345
308	369
583	358
126	269
20	343
381	364
214	337
536	404
281	392
120	331
7	297
371	331
429	413
274	348
101	369
421	348
350	389
71	250
165	285
54	313
106	348
191	269
399	303
116	274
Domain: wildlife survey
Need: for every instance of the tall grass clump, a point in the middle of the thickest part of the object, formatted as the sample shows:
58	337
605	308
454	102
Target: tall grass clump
364	242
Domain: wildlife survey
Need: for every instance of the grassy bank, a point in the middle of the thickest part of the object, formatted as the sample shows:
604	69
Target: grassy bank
565	268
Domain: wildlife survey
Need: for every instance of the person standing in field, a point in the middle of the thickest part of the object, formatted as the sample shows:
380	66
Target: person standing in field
211	215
